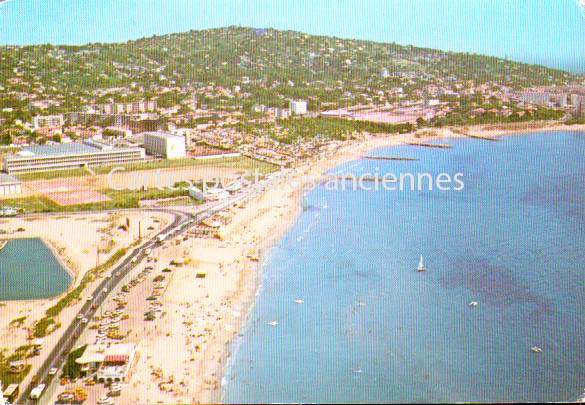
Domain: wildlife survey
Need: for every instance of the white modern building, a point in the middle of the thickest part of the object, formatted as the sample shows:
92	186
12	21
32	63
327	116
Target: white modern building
127	108
164	144
69	156
47	121
9	185
298	107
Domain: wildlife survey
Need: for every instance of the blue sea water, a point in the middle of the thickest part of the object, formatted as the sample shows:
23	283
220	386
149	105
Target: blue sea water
371	329
29	270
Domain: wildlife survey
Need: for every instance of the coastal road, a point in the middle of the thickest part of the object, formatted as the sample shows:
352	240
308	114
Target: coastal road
66	343
181	223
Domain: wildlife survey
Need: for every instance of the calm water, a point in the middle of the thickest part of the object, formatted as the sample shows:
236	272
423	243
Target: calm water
373	329
28	270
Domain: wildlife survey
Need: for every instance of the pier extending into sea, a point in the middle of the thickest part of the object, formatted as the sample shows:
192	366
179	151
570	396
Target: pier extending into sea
389	157
430	145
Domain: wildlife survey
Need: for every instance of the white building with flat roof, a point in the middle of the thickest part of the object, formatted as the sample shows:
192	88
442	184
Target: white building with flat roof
47	121
298	107
69	156
164	144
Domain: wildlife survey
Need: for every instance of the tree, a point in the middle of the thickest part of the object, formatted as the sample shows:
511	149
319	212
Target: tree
421	122
5	138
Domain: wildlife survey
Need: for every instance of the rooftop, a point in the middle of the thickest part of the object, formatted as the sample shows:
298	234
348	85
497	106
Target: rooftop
161	134
99	353
64	149
57	149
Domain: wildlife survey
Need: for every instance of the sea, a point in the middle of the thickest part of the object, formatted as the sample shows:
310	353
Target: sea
342	315
30	270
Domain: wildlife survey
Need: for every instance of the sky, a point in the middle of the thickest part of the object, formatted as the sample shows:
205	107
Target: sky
548	32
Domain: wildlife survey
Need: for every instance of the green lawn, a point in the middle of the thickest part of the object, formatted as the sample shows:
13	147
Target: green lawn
238	162
7	377
129	198
36	203
53	174
119	199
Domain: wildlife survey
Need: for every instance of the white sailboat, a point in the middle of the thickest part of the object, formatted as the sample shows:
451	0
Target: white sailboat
421	265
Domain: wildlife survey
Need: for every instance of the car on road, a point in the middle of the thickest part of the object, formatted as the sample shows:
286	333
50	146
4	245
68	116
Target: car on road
53	370
80	316
37	391
84	320
90	298
105	400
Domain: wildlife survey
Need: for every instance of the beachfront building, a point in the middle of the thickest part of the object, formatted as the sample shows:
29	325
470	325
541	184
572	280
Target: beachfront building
47	121
298	107
164	144
107	363
69	156
9	185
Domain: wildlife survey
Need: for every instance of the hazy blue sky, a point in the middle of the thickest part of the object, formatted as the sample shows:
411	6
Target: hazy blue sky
550	32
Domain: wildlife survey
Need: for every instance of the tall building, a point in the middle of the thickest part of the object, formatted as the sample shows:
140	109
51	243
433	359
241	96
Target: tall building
69	156
298	107
46	121
536	97
578	102
164	144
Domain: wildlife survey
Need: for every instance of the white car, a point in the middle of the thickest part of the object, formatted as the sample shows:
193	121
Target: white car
105	400
53	370
84	320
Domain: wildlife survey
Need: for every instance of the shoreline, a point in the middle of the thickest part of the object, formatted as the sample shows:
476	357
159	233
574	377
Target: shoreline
345	154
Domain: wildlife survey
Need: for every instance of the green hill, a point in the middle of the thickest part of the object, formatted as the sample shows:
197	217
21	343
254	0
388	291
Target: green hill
262	62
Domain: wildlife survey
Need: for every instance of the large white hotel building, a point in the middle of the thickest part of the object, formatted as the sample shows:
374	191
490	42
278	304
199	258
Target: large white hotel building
68	156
